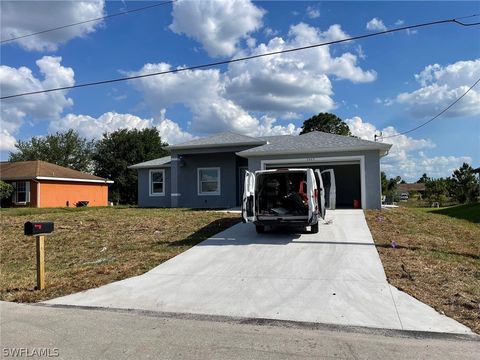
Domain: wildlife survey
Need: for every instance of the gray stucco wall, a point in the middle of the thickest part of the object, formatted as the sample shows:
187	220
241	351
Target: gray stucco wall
144	198
372	171
188	180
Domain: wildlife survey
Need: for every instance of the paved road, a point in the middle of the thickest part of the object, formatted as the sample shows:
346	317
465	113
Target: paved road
335	277
98	334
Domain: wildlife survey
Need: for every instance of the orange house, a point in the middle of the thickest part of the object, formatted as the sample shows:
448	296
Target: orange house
42	184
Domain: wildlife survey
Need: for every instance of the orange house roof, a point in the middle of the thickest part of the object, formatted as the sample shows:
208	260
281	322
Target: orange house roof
42	170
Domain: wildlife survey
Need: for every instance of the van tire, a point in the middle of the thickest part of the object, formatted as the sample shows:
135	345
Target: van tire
260	229
314	228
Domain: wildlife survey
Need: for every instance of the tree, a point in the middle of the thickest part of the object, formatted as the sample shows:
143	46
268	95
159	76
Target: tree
120	149
424	179
67	149
6	190
389	186
466	186
326	122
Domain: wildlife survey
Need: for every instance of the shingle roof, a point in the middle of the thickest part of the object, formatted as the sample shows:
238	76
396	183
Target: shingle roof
315	141
161	162
25	170
411	187
218	140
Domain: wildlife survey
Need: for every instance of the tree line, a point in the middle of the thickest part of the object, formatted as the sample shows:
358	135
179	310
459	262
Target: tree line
108	157
462	186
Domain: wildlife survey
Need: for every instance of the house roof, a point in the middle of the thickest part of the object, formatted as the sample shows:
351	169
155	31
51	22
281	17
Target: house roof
42	170
312	142
315	141
161	162
219	140
411	187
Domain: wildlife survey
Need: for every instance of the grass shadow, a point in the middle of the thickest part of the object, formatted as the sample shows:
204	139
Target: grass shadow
469	212
207	231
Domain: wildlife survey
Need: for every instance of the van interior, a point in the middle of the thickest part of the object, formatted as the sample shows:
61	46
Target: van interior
282	193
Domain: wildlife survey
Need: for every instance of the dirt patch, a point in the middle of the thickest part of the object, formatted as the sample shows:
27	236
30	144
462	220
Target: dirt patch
433	257
95	246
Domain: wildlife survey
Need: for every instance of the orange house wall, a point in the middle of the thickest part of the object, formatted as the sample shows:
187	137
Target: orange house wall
57	193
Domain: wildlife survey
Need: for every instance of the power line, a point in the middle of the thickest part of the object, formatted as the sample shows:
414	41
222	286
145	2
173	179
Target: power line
87	21
202	66
435	117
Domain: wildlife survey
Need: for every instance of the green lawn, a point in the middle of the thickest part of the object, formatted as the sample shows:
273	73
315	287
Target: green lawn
469	212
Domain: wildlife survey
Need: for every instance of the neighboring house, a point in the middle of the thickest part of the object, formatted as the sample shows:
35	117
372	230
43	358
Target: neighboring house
209	172
41	184
409	188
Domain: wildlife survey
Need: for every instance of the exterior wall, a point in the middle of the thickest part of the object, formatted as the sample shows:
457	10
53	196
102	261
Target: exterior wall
33	196
58	193
144	198
187	180
372	171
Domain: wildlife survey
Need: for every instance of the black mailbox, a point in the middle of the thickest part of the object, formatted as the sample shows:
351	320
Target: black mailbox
38	227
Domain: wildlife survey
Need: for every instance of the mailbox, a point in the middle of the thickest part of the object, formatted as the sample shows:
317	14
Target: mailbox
38	227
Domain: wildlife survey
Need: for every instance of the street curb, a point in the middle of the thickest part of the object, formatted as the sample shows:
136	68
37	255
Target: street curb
415	334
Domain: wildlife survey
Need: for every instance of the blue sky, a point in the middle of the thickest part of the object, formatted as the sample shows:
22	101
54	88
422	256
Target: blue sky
388	83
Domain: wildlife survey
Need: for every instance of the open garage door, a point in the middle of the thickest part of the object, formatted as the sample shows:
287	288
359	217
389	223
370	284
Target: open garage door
347	179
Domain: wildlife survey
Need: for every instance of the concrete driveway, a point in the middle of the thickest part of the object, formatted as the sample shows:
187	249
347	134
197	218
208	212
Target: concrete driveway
335	277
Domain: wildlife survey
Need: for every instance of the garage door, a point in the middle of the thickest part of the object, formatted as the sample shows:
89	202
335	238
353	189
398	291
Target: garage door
347	179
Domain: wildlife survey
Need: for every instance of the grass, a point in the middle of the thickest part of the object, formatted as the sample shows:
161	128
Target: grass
436	258
469	212
91	247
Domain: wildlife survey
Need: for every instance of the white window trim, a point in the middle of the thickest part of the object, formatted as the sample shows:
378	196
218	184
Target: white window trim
332	161
216	193
150	182
27	193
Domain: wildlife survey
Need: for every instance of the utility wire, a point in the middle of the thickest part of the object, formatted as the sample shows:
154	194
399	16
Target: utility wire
202	66
87	21
429	121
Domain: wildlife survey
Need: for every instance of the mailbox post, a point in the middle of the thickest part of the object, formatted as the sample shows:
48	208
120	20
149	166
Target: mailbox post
39	229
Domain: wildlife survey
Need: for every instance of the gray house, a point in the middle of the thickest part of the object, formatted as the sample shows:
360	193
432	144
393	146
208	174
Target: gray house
208	172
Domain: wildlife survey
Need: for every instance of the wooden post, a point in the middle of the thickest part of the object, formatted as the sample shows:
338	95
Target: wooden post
40	262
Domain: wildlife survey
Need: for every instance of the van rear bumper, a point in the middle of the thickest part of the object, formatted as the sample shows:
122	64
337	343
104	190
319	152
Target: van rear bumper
285	221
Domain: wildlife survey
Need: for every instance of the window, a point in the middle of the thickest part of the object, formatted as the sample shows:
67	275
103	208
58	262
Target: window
22	192
208	181
157	182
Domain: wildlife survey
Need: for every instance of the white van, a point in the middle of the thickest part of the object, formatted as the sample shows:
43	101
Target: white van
293	197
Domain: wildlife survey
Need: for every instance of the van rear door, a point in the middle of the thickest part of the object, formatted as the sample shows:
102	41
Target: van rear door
312	200
321	193
330	188
248	200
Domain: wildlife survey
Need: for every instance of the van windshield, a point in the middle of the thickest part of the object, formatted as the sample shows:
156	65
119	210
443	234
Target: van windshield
282	193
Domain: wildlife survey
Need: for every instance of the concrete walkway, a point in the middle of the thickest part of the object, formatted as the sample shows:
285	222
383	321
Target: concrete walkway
333	277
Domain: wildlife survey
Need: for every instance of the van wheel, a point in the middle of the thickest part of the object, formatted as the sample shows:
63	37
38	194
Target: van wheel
260	229
314	228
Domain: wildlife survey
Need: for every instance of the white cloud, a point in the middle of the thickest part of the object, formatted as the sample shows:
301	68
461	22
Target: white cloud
217	25
14	111
313	12
7	141
26	17
93	128
269	32
441	86
399	22
293	82
407	157
203	93
376	25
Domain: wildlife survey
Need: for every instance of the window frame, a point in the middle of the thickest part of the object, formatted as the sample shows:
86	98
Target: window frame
26	191
199	186
150	182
